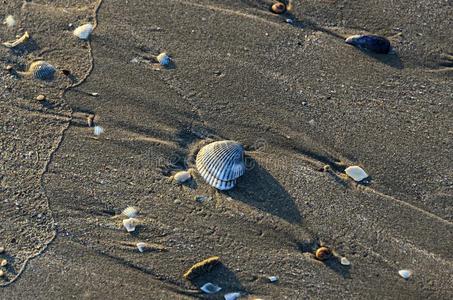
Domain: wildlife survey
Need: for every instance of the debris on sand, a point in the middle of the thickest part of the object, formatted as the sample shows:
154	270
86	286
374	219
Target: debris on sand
201	267
83	32
98	130
232	296
2	249
182	176
2	273
356	173
273	278
210	288
3	263
278	8
130	211
372	43
164	59
147	247
345	262
405	273
41	98
22	40
323	253
202	199
130	224
9	21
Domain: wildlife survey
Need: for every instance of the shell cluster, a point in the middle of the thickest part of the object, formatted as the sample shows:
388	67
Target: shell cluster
41	70
372	43
221	163
83	32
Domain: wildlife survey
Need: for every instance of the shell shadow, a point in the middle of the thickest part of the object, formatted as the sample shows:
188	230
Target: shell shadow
260	189
222	276
393	60
335	265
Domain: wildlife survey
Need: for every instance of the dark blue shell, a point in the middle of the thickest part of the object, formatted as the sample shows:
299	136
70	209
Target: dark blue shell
373	43
42	70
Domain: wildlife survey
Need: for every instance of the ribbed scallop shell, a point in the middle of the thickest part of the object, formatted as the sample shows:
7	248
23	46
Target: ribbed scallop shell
221	163
42	70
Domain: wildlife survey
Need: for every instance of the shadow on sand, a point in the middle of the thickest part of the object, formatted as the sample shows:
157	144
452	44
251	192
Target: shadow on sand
261	190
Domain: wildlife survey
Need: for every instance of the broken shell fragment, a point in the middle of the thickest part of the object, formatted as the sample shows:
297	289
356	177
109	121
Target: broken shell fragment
9	21
372	43
201	267
163	59
323	253
182	176
130	224
98	130
232	296
146	247
22	40
130	212
356	173
210	288
221	163
278	8
83	32
405	273
273	278
344	261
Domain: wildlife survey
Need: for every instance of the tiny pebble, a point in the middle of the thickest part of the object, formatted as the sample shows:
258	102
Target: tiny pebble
4	263
2	273
344	261
2	249
8	68
41	98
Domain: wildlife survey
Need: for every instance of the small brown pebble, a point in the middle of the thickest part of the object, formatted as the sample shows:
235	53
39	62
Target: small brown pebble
90	120
323	253
278	8
4	263
66	72
41	98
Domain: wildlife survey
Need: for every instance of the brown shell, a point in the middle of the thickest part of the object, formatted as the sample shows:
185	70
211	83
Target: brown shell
323	253
278	8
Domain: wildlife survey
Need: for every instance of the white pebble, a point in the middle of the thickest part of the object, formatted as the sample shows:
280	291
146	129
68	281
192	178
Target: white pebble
344	261
98	130
83	32
273	278
182	176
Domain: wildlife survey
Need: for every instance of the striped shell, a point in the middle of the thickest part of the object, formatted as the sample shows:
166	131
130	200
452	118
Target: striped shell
221	163
42	70
130	212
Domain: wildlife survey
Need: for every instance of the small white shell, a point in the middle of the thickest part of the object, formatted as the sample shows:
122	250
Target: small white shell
141	247
344	261
210	288
405	273
221	163
98	130
9	21
130	224
163	59
130	212
232	296
273	278
356	173
182	176
83	32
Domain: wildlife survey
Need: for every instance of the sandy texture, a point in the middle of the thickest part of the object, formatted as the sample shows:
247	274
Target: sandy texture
295	95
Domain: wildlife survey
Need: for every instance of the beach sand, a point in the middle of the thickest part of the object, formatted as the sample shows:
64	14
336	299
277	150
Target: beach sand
295	95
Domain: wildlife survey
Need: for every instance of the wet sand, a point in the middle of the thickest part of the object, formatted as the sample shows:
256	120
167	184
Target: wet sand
295	95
